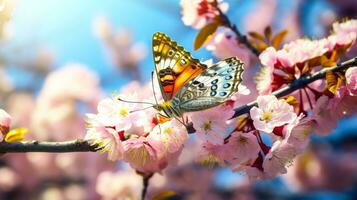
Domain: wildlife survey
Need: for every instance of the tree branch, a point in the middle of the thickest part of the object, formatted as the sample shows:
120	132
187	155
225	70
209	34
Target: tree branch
298	84
53	147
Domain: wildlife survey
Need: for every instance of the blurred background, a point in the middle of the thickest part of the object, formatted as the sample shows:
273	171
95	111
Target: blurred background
59	57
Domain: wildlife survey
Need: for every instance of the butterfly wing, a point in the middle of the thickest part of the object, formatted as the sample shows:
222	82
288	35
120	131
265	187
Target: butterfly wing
212	87
174	66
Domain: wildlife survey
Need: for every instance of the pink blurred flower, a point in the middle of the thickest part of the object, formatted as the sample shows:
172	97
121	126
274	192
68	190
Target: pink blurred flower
5	122
124	184
9	179
281	154
351	80
241	147
224	45
145	154
210	125
198	13
253	173
73	81
262	16
108	140
325	121
56	115
271	113
342	104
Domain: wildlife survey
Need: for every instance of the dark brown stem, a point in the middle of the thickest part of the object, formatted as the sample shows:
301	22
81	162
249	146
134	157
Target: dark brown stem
146	179
53	147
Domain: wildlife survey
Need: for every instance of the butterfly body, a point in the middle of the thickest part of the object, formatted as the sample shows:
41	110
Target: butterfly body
188	85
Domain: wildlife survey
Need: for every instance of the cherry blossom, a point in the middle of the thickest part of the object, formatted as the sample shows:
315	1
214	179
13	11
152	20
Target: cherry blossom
107	140
346	27
172	134
325	121
5	122
351	80
271	113
145	155
281	154
210	124
241	147
198	13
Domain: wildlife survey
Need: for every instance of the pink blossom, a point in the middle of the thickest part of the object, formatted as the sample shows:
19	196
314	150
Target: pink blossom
241	147
5	122
351	80
224	45
172	134
107	140
271	113
264	80
211	154
342	104
198	13
346	27
210	125
325	122
280	156
112	112
124	184
338	40
145	155
297	132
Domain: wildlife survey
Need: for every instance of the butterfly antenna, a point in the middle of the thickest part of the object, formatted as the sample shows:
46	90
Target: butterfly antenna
140	109
153	89
127	101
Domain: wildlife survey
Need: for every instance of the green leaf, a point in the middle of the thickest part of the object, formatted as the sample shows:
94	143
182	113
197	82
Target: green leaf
278	38
205	34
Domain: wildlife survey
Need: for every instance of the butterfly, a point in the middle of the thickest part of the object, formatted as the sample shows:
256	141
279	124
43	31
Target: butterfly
186	84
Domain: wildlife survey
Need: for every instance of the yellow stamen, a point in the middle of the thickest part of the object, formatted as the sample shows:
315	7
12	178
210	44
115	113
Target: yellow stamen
123	112
207	126
266	116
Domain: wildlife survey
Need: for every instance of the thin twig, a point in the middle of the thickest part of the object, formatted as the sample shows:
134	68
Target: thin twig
146	179
51	147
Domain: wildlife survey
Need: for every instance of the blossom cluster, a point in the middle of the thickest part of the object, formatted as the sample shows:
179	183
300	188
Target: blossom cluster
129	132
330	99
